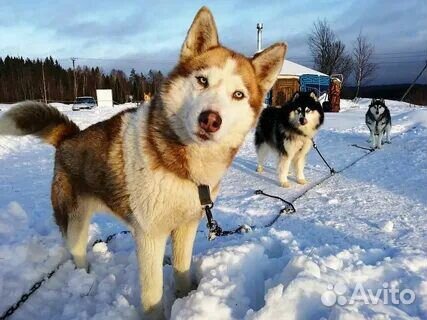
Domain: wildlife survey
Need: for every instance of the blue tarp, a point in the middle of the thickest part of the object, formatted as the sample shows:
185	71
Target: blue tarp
312	82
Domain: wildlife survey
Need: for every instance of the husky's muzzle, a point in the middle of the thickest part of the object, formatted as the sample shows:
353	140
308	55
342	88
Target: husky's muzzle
303	121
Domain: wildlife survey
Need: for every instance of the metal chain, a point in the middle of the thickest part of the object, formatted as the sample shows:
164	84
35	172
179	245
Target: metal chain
26	295
364	148
332	170
216	231
289	207
109	238
38	284
241	229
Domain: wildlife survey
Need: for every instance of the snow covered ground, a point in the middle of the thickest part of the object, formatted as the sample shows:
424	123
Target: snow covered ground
355	248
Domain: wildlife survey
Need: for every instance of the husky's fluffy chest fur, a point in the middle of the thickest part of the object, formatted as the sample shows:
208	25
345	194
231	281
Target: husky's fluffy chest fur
144	165
288	132
378	120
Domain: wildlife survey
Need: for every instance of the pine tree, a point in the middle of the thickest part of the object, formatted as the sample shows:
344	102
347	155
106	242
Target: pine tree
22	79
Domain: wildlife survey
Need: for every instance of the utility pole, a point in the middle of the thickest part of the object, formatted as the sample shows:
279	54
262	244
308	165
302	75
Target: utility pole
44	83
75	81
259	27
413	83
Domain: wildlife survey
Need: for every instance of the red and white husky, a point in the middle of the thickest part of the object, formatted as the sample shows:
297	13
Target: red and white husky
145	165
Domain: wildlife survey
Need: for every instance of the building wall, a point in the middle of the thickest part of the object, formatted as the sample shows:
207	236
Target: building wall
283	90
334	95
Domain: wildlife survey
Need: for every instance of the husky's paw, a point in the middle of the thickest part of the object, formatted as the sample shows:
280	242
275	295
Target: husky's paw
285	184
155	313
167	260
181	293
184	290
259	168
301	181
82	265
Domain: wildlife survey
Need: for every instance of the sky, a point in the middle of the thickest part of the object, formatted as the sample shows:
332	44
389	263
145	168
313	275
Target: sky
148	34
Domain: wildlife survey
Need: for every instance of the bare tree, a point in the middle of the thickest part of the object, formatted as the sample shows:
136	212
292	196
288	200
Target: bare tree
328	52
363	67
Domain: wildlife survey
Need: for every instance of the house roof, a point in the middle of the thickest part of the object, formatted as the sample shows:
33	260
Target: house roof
294	70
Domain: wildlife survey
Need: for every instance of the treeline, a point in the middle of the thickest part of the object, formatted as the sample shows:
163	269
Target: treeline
417	95
26	79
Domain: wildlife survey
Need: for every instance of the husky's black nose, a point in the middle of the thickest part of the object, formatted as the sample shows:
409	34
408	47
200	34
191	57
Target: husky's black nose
210	121
303	121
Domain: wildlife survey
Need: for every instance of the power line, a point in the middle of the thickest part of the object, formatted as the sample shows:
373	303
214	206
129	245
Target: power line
401	53
381	57
413	83
389	55
374	61
398	62
120	59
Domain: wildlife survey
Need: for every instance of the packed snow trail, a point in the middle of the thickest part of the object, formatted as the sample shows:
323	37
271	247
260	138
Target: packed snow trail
365	226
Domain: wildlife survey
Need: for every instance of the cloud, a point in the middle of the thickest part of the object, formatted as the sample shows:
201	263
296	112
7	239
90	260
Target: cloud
148	34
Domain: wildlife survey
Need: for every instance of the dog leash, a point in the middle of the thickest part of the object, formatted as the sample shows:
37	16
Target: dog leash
332	170
213	226
11	310
364	148
216	231
288	208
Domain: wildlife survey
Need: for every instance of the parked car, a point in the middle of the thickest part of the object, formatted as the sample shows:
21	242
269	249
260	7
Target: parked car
84	103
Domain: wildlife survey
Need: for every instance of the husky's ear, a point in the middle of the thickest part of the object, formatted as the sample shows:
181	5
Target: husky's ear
313	95
201	36
295	97
267	65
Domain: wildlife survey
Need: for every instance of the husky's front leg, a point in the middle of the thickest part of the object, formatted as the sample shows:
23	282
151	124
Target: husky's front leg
150	252
380	140
374	141
182	246
387	134
371	137
283	170
299	162
262	152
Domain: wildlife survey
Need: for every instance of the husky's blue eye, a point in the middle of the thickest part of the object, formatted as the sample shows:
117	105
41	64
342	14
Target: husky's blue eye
238	95
203	81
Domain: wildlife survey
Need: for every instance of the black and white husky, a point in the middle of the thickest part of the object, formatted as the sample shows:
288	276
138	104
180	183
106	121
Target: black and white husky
378	120
288	132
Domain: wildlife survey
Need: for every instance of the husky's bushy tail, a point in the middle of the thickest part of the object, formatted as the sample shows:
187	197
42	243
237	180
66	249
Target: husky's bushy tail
38	119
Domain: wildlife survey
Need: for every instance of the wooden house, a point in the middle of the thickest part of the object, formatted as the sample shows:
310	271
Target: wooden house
294	77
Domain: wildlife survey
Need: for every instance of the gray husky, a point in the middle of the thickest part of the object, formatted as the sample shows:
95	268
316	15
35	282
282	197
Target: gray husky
378	120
